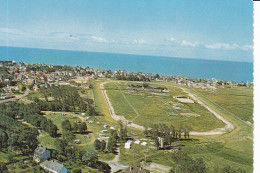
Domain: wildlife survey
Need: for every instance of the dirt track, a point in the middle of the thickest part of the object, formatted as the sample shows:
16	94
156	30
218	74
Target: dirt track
227	128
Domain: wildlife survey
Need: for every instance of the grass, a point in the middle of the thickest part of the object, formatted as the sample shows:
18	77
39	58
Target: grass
237	100
159	107
138	152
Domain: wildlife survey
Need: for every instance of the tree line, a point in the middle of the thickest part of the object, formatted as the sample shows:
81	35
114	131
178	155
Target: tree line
164	135
30	113
65	98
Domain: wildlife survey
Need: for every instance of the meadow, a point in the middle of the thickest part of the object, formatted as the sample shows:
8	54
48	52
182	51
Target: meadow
237	100
147	107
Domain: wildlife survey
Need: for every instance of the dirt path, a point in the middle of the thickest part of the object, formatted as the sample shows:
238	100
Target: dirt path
114	164
16	97
227	128
112	111
92	136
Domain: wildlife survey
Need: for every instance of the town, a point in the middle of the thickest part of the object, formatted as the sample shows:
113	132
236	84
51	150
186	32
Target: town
58	118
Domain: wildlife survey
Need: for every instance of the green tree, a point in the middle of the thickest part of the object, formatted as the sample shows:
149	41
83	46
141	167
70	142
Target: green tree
83	127
3	167
66	125
20	86
90	158
97	145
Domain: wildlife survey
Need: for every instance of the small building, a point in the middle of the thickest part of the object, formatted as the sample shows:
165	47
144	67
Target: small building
53	167
144	143
41	154
136	169
128	144
137	142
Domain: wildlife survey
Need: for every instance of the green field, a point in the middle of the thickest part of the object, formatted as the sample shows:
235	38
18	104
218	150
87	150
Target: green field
146	107
237	100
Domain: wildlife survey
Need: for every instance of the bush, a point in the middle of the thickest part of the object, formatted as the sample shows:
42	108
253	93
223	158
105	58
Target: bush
77	171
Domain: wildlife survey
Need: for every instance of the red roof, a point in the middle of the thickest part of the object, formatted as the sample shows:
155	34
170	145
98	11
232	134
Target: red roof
46	75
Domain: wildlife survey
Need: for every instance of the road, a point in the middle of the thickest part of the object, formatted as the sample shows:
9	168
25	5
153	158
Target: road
16	97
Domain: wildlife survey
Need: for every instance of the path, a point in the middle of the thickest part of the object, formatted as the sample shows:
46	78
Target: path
92	136
227	128
112	111
16	97
115	166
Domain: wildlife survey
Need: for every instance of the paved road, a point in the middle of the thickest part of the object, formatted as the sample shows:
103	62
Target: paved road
16	97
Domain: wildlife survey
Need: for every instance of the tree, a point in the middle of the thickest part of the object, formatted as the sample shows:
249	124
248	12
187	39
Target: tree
111	144
20	86
75	126
83	127
103	145
97	145
65	125
3	167
90	157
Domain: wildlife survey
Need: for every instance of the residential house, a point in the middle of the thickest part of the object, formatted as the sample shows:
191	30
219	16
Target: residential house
53	167
41	154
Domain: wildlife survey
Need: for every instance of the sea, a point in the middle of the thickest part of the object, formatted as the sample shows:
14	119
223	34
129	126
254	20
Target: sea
188	67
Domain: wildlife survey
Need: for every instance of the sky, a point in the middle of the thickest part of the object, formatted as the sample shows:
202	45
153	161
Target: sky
218	30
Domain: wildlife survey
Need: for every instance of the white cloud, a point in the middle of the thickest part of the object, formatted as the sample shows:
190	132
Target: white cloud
190	44
225	46
102	40
172	39
11	31
140	41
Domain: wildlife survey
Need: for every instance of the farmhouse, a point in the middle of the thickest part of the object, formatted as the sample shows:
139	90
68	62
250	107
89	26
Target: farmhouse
41	154
53	167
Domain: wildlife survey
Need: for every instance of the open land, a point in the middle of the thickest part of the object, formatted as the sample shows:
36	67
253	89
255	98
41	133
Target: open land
194	109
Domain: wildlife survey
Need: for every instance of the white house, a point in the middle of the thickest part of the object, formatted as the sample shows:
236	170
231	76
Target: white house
53	167
41	154
128	144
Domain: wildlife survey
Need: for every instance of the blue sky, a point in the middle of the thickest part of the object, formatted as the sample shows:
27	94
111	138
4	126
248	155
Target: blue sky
210	29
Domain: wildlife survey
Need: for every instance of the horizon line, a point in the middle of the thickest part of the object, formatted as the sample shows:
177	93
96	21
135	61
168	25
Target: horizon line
129	54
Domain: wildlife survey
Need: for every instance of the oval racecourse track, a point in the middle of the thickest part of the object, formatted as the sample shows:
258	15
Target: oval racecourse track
227	128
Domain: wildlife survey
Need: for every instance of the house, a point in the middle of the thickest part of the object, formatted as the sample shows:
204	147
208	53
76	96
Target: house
41	154
53	167
136	169
128	144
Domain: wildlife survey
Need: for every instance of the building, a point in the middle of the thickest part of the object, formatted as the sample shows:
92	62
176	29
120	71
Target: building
53	167
41	154
128	144
136	169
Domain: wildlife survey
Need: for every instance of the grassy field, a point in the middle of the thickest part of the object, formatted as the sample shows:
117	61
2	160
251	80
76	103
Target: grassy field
237	145
234	148
159	107
237	100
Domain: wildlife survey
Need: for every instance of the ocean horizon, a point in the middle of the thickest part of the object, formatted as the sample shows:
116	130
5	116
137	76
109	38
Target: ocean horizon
175	66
